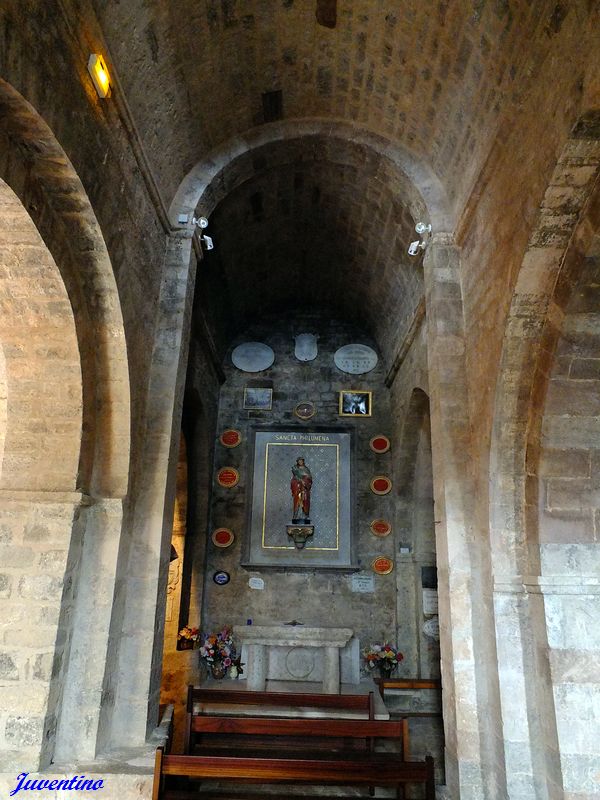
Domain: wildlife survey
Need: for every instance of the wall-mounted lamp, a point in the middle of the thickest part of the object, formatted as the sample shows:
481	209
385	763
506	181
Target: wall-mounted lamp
423	229
99	75
414	247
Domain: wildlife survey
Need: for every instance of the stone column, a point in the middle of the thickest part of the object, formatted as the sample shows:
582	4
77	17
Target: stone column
133	686
474	761
78	728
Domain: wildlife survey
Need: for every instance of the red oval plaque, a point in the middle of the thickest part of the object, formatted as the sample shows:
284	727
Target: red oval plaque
382	565
381	527
228	477
230	438
222	537
381	485
380	444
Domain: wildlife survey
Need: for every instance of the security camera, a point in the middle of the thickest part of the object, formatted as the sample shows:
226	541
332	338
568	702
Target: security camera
413	248
422	227
201	222
208	242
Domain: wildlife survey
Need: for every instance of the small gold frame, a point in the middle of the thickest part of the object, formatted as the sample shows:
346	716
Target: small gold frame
305	410
355	403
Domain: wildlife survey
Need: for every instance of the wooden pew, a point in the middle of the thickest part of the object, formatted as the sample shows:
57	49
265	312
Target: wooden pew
406	683
409	683
380	769
215	722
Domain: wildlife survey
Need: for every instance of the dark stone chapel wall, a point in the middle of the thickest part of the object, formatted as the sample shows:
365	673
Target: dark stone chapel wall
315	596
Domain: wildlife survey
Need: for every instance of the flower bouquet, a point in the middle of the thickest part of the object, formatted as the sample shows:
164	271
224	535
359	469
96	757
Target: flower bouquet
218	650
187	638
384	657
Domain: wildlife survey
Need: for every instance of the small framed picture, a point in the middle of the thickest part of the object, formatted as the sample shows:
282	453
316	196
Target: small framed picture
355	403
258	399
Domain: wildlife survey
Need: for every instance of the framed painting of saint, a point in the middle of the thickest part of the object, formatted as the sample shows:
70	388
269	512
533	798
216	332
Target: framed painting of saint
300	499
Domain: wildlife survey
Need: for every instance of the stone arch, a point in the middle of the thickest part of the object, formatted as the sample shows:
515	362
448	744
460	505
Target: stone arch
227	165
522	597
562	236
37	169
473	751
66	449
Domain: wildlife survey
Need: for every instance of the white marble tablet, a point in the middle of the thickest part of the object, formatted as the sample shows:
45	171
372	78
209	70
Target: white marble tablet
355	358
253	356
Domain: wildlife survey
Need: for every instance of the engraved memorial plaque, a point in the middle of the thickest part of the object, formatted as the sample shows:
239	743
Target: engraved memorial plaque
355	358
253	356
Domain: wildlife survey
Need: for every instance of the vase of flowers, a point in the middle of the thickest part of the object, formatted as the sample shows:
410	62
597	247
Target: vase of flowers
219	653
382	657
188	638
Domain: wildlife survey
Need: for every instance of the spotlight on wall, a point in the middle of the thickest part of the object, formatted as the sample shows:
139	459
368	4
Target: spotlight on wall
207	242
414	247
99	75
201	222
422	227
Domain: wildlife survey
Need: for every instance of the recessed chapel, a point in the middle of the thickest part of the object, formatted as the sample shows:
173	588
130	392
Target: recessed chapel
300	339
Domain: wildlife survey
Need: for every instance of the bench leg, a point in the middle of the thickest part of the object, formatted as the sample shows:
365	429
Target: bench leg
430	785
405	740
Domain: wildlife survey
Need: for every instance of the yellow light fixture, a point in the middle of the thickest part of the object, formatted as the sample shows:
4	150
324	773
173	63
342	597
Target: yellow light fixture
99	74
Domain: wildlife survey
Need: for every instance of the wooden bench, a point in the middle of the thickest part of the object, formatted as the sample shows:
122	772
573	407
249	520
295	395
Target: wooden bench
406	683
216	722
364	770
409	683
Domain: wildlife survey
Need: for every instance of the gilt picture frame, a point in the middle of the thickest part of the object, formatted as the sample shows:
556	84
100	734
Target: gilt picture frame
355	403
257	399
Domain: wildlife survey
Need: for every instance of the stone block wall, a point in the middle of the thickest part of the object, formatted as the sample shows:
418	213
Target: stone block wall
314	596
36	586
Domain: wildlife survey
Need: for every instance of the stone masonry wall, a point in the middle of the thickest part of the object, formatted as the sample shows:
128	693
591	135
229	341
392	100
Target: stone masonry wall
316	596
36	586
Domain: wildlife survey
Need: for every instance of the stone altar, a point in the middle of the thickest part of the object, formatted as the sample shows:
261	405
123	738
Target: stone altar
259	639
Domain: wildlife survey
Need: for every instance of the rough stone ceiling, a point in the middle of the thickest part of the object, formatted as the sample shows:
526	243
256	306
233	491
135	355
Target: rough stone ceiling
311	233
434	77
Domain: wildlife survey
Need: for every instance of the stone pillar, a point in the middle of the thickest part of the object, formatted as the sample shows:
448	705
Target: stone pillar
474	762
78	728
132	689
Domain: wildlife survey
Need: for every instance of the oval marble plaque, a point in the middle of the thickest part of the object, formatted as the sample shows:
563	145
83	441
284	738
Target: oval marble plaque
355	358
253	356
